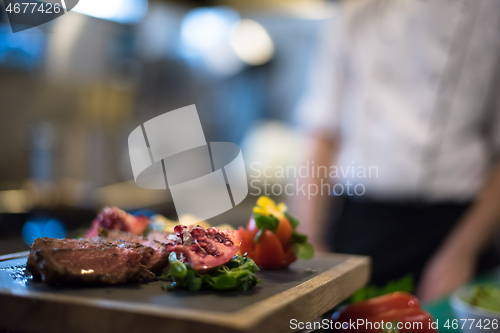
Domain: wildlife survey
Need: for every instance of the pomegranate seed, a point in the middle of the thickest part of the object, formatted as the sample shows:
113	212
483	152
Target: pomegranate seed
220	237
178	229
211	233
198	232
212	250
199	251
228	242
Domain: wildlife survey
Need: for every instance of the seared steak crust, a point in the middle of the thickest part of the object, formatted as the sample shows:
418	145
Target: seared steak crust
97	260
54	243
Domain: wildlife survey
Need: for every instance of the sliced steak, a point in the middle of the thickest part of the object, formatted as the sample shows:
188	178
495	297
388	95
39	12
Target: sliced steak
54	243
107	265
45	257
145	251
158	261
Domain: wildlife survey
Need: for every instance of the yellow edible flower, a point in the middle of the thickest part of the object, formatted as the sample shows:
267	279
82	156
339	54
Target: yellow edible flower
267	206
282	207
259	210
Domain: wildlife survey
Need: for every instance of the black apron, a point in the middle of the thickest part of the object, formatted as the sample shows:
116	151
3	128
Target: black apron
400	237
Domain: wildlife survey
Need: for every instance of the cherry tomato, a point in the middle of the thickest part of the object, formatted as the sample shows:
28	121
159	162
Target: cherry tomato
284	231
373	306
280	253
269	251
247	244
289	256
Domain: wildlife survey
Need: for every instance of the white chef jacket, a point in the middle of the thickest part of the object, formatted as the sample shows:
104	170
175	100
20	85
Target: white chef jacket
410	86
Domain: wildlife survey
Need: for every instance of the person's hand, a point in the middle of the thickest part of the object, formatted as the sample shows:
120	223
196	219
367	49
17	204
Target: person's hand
446	271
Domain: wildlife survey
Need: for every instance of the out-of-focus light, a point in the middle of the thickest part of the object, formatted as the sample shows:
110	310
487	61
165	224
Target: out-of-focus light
14	201
313	10
52	228
204	29
31	231
252	43
121	11
205	34
25	49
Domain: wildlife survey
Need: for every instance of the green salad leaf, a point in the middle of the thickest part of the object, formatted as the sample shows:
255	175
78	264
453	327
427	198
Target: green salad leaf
301	248
293	220
486	297
266	221
303	251
237	274
298	237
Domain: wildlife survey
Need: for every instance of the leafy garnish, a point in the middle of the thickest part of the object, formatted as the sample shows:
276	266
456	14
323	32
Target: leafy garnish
298	237
303	251
293	220
406	283
237	274
258	235
301	248
266	221
165	275
268	215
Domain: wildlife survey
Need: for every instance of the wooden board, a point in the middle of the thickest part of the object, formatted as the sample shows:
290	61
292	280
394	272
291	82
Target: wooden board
304	291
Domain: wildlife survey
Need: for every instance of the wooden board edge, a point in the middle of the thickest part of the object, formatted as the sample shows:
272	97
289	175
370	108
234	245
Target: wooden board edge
26	315
15	307
16	255
314	296
353	273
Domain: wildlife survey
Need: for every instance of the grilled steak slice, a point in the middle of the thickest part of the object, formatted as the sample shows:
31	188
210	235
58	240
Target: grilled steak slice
112	264
145	251
54	243
47	251
158	261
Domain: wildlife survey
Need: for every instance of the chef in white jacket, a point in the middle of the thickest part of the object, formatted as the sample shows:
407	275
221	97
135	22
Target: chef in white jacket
410	87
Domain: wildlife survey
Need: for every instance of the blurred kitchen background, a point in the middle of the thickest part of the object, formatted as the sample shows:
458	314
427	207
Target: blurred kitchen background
72	90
